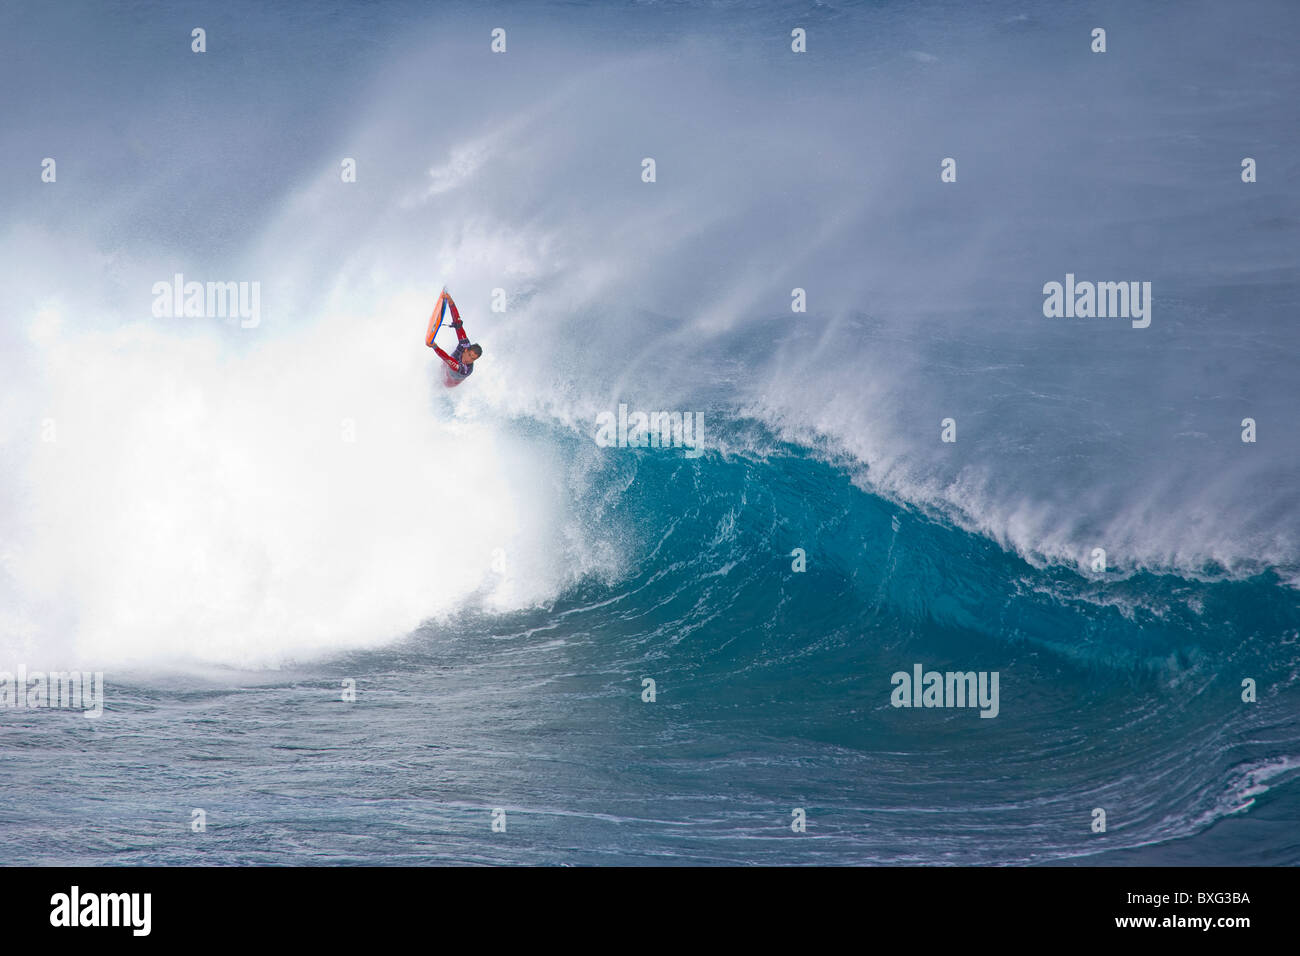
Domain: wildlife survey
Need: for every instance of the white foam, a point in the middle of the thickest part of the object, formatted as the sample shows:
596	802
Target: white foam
201	500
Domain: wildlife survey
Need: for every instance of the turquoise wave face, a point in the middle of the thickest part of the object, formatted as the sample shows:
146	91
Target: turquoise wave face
775	686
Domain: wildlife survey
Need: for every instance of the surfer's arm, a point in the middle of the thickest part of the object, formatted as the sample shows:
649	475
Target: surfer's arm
455	320
451	362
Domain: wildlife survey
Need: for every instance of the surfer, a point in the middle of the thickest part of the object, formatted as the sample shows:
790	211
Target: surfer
460	363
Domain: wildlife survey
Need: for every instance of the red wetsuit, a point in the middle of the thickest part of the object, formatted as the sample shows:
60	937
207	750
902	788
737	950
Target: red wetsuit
457	371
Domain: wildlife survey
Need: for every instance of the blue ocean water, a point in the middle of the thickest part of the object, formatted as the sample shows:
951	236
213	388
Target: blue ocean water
236	525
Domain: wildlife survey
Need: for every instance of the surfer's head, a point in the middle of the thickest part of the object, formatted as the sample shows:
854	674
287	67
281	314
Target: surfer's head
471	353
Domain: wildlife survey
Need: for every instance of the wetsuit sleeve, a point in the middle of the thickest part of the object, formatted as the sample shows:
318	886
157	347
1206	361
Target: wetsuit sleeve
451	362
456	323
